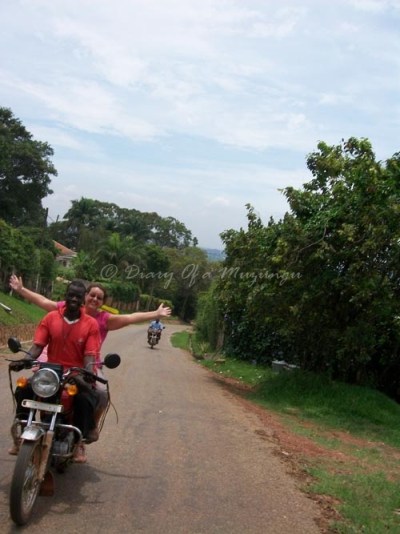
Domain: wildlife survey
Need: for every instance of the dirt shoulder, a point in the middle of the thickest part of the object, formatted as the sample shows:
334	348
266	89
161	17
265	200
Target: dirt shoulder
299	452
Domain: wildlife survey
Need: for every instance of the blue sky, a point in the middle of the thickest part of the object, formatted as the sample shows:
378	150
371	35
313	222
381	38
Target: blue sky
194	108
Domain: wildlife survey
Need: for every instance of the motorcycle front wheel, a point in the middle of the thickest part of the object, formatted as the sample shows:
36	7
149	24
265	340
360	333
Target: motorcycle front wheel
25	482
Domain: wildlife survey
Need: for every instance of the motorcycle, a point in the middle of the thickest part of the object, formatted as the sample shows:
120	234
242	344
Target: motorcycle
47	438
153	337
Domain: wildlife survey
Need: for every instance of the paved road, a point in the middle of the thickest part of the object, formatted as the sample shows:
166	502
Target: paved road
183	457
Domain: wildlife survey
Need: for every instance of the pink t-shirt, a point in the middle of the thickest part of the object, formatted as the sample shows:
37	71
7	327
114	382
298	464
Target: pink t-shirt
102	319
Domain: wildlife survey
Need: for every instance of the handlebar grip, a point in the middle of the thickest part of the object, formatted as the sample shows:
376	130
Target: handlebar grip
102	380
95	377
19	365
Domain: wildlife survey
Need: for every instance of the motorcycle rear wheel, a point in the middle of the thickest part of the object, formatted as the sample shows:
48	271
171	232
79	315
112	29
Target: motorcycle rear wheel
25	482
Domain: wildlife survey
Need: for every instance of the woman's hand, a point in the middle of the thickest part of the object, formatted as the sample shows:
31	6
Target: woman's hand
16	283
163	311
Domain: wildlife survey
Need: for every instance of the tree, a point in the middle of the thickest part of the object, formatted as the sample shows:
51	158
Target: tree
349	215
25	173
84	266
248	293
169	232
89	221
322	286
122	254
17	254
157	266
190	273
209	319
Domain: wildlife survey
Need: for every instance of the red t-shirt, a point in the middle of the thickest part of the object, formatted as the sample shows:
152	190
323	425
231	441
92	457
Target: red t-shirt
68	343
101	317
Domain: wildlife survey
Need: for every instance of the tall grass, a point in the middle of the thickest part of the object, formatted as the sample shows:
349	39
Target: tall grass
359	410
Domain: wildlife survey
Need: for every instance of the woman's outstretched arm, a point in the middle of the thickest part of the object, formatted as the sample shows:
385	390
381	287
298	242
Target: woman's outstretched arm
115	322
35	298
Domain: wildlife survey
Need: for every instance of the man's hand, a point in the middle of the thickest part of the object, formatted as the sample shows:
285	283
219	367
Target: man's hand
17	365
82	383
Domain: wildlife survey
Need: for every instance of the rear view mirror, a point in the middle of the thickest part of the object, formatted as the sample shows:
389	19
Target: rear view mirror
112	360
14	344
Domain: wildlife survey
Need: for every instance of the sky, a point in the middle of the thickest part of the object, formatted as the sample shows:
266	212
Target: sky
195	108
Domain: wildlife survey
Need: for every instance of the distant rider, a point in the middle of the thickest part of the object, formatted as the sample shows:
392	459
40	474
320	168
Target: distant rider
157	326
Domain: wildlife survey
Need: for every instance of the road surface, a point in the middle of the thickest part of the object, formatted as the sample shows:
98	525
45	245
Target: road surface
182	457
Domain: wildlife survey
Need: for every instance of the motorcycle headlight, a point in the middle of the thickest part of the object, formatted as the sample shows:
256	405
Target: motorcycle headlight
45	382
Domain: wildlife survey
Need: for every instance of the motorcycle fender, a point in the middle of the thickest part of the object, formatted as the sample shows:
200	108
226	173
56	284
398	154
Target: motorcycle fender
33	433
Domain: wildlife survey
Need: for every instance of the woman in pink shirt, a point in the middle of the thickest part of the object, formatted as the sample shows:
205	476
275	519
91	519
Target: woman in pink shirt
95	297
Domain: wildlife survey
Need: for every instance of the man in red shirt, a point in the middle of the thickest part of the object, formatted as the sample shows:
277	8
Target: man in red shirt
73	340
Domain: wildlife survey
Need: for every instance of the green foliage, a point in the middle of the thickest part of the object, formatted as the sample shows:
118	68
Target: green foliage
132	250
208	319
181	340
368	501
127	246
189	274
83	267
149	302
48	265
45	253
169	232
246	372
25	173
155	277
123	291
90	221
17	252
60	286
320	287
357	409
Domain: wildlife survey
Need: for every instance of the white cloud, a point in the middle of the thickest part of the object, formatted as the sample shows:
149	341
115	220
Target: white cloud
60	138
219	201
216	102
375	6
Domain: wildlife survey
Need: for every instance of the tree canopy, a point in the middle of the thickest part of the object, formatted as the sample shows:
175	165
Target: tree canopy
321	287
132	252
88	219
25	173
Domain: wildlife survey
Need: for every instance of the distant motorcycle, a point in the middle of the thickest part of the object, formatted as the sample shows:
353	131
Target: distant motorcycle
154	334
47	436
153	337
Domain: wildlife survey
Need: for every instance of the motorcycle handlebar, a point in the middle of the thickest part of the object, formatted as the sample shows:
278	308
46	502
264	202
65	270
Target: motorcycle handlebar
19	365
88	374
101	380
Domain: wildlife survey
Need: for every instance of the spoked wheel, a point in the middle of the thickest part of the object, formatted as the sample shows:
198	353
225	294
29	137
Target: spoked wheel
25	483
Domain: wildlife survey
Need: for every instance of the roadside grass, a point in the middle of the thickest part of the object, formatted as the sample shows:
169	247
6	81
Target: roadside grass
21	311
360	424
181	340
233	368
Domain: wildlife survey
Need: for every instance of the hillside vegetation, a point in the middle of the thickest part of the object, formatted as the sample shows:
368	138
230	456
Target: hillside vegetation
21	311
21	321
